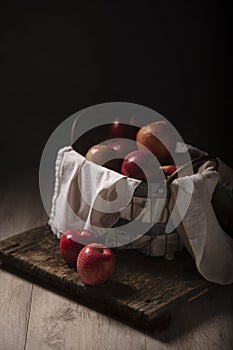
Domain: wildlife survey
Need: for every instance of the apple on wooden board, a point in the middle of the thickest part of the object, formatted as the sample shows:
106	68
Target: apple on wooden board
140	165
155	137
72	241
95	264
103	155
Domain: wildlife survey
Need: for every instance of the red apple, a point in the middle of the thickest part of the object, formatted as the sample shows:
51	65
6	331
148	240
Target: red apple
155	137
95	264
102	155
72	241
122	146
140	165
121	128
169	169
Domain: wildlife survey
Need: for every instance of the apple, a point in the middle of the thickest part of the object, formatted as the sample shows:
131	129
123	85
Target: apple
72	241
103	155
122	146
95	264
155	137
169	169
121	128
140	165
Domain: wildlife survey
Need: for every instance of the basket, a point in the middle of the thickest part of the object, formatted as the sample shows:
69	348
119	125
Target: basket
156	233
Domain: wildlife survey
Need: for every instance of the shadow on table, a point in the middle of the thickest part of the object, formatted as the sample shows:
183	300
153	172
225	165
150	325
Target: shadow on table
195	313
182	318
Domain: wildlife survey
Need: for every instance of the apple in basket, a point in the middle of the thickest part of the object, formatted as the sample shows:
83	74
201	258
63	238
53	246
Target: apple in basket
120	128
71	243
155	137
140	165
103	155
95	264
122	146
169	169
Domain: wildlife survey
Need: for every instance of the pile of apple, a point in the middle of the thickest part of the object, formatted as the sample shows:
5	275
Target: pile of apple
95	262
130	150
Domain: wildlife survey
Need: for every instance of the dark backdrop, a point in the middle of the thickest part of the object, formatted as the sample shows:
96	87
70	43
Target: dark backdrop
172	56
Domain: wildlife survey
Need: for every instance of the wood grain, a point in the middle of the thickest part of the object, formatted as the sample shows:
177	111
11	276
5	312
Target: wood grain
15	307
203	323
16	214
141	291
58	323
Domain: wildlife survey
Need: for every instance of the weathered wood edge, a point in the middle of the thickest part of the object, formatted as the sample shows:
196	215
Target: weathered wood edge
156	322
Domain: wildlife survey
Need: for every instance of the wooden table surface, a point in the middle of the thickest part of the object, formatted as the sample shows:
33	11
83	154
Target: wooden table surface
33	317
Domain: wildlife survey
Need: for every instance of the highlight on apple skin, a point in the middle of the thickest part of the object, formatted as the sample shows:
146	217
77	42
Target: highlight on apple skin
155	137
103	155
95	264
71	243
122	146
140	165
122	128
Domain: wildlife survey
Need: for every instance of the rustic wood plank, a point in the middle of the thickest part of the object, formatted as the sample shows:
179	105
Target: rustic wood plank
58	323
141	290
18	212
203	323
15	306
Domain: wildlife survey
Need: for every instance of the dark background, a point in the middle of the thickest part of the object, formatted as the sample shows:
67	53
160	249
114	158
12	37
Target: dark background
174	57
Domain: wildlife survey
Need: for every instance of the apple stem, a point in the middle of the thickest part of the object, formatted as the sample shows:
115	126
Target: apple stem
100	250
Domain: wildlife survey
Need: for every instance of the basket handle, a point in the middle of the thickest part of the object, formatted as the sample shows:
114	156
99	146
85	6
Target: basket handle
72	132
195	162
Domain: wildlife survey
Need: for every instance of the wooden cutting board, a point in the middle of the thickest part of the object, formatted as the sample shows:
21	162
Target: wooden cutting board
141	292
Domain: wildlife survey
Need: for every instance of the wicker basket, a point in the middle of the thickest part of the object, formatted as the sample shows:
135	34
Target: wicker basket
93	137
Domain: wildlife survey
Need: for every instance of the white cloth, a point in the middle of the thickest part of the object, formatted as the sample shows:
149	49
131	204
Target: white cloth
199	229
87	195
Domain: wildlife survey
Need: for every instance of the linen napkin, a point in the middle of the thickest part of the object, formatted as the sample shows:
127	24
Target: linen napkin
199	229
87	195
